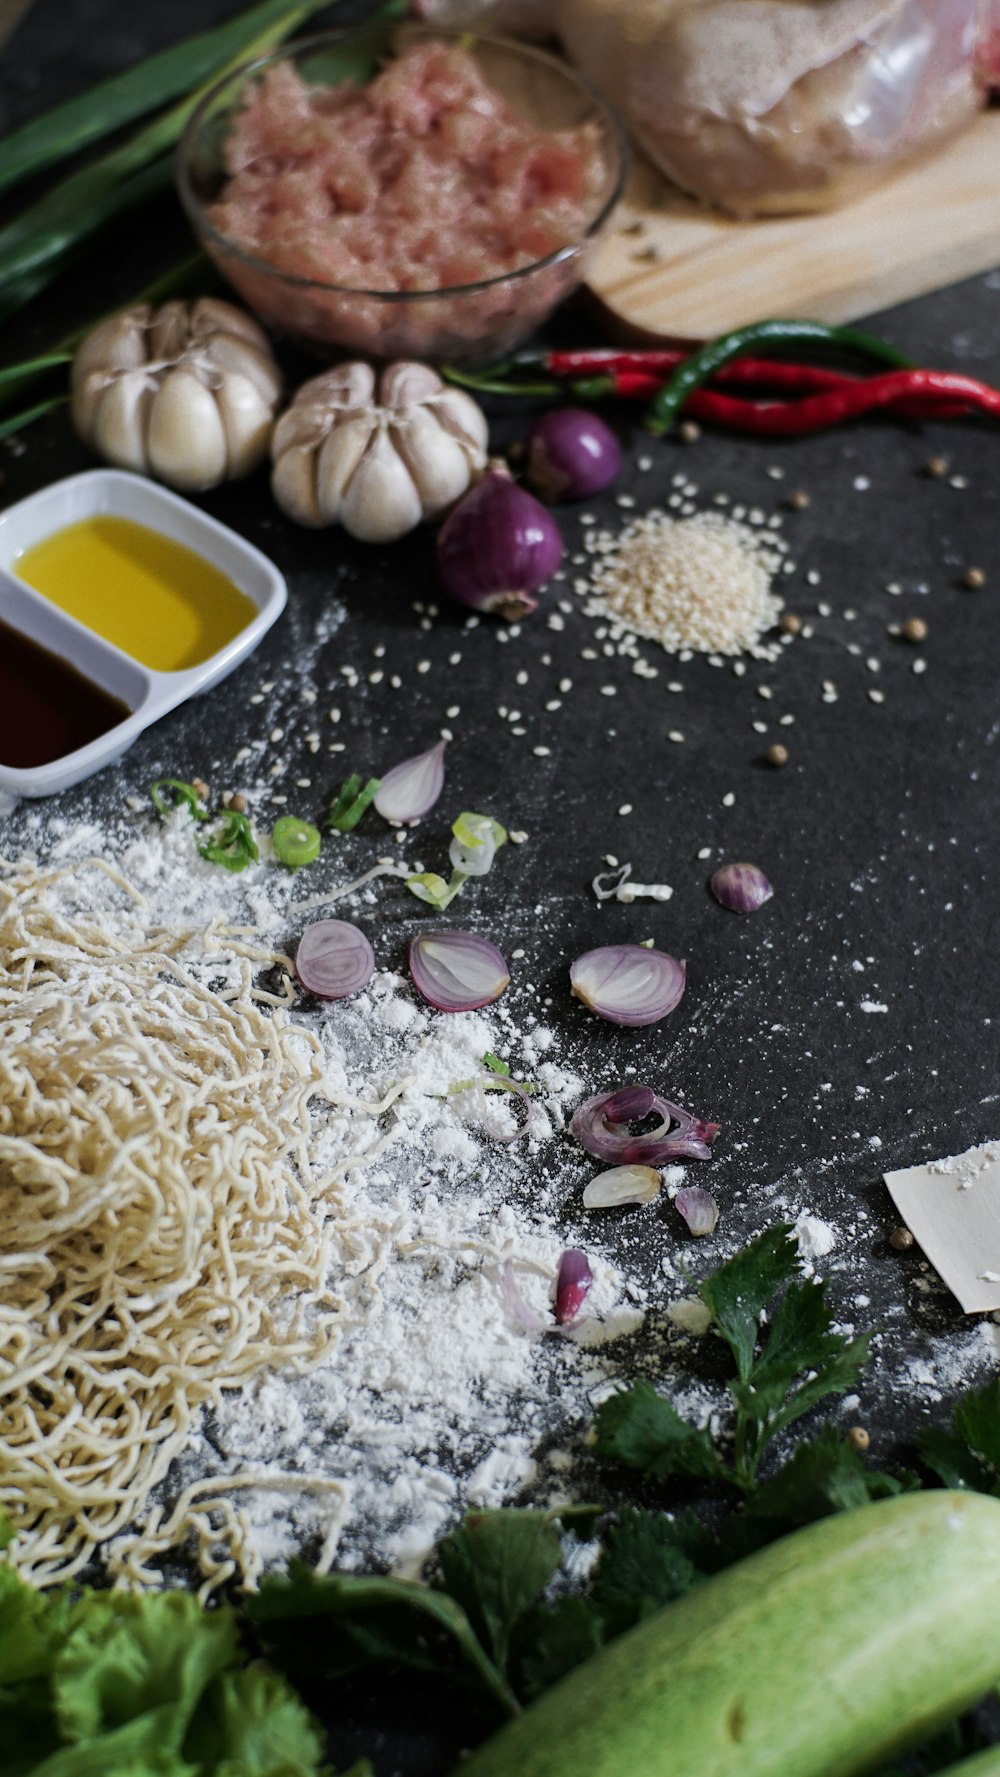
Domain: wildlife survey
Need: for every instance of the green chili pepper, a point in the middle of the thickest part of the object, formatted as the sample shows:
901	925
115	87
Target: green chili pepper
232	844
295	842
185	796
696	370
350	803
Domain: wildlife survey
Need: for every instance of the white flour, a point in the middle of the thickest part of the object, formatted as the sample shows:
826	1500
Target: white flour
436	1399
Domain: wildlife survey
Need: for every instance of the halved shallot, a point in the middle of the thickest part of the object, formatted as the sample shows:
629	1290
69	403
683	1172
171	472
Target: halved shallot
628	984
457	971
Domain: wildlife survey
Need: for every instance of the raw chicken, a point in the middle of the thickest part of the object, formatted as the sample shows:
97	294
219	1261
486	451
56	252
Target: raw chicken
771	105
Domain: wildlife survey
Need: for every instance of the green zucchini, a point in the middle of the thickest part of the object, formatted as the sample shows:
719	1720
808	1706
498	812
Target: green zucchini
981	1764
820	1656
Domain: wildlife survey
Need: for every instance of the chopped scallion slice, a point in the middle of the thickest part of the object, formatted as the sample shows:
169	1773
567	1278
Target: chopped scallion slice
184	796
295	842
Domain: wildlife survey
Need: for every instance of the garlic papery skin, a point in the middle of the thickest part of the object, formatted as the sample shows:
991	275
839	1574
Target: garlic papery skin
185	392
376	455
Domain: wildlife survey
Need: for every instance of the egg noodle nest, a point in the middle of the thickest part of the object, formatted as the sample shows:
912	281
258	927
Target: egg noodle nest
164	1231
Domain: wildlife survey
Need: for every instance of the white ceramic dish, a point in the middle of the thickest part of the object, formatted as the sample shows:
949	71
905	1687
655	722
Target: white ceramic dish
148	694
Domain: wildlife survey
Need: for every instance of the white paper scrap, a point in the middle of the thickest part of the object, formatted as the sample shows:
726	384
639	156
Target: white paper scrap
952	1209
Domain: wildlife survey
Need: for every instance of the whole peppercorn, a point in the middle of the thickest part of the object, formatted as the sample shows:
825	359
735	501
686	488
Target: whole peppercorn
790	623
936	466
913	630
199	785
799	500
901	1240
858	1438
777	754
690	431
974	578
238	803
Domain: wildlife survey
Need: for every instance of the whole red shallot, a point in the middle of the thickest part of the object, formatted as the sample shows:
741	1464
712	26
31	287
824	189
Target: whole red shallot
572	454
497	547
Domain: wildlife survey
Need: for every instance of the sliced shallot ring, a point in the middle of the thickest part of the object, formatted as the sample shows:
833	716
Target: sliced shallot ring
334	959
599	1126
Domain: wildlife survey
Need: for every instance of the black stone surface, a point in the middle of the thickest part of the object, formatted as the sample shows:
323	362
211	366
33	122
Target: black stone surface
880	835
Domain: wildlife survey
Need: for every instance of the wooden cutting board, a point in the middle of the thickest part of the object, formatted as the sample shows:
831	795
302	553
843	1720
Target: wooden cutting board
688	273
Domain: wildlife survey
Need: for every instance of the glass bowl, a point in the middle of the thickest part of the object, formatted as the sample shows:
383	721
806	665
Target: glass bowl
464	324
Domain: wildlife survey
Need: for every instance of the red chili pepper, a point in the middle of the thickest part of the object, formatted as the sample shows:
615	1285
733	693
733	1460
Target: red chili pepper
899	389
602	362
605	359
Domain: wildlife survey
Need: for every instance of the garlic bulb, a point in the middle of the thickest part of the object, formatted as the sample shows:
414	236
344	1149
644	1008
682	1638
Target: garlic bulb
376	456
186	393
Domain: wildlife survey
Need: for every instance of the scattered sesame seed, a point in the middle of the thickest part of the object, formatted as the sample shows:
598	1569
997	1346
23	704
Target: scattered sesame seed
919	666
813	577
765	691
705	852
376	677
609	691
873	665
862	483
541	752
554	703
278	800
395	681
423	666
276	734
824	610
875	695
626	808
728	800
453	710
519	731
611	860
759	727
785	721
625	501
675	735
517	837
644	464
775	472
554	621
958	481
257	697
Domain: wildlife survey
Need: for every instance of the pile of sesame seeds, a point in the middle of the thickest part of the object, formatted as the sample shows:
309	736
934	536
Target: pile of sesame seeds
699	583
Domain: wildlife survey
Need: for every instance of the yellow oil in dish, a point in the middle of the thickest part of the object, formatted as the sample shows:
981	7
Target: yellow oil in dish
156	599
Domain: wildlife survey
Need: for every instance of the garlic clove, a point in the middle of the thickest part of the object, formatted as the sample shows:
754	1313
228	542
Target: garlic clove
402	384
211	316
339	456
185	439
246	422
437	463
346	386
459	415
293	484
380	502
169	333
119	419
240	357
119	343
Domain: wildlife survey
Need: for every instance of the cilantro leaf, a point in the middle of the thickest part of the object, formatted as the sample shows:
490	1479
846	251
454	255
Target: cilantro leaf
825	1474
334	1624
554	1638
496	1564
800	1343
126	1656
976	1419
253	1724
740	1290
647	1561
640	1428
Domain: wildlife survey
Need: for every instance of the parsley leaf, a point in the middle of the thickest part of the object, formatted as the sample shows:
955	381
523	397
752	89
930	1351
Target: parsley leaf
553	1638
640	1428
823	1475
232	844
